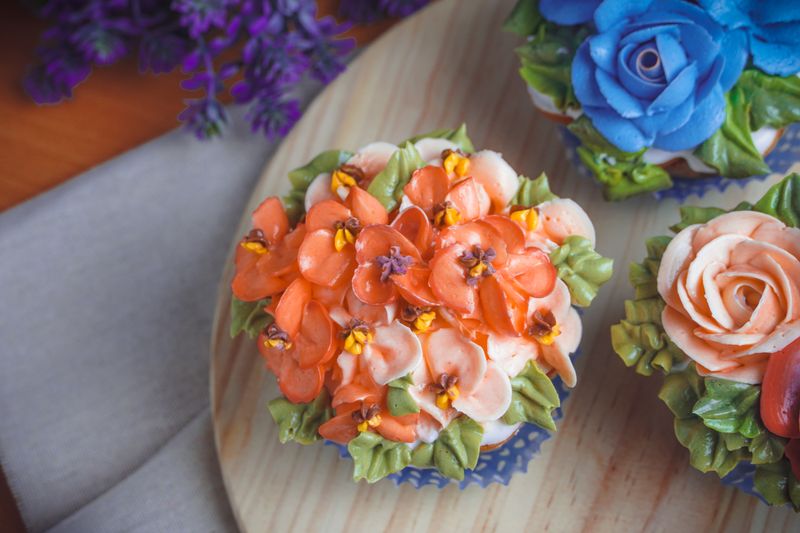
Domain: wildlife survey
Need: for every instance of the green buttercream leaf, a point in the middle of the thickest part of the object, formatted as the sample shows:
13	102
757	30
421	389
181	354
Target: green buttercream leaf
622	174
533	398
457	448
782	201
729	406
547	58
422	456
533	192
524	19
302	177
680	391
581	268
398	399
707	449
774	101
691	215
639	339
374	457
776	483
249	317
300	421
387	186
730	150
766	448
457	136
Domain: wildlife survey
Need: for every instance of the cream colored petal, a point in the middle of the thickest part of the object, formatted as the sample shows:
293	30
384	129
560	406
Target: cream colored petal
491	399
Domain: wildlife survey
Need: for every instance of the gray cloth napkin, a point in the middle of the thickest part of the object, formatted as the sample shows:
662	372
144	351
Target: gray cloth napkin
108	285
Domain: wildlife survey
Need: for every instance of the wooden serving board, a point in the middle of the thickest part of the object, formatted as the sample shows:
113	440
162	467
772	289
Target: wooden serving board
614	464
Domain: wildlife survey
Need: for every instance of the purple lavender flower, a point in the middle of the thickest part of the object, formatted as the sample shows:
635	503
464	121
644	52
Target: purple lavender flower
273	115
401	8
201	15
361	11
205	117
323	49
162	53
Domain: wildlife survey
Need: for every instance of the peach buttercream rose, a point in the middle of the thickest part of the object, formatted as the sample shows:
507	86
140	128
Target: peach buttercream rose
732	289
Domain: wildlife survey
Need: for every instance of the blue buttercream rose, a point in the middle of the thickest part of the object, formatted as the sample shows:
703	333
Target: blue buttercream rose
568	12
656	72
773	28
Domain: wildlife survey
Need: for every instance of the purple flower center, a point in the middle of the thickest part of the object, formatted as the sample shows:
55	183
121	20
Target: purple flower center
477	263
393	263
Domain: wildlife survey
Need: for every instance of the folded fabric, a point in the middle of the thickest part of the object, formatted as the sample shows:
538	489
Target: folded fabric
108	289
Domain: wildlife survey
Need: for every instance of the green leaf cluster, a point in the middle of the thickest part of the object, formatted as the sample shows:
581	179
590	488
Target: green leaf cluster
547	55
300	421
622	174
533	398
374	457
388	185
782	201
533	191
457	136
249	317
302	177
774	101
455	450
777	484
581	268
639	339
398	399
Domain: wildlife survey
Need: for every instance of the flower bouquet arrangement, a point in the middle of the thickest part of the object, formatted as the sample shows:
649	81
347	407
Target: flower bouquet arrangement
670	97
415	303
717	311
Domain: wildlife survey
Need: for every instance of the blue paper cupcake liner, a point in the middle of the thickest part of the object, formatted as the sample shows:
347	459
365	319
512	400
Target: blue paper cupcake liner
743	478
495	466
780	159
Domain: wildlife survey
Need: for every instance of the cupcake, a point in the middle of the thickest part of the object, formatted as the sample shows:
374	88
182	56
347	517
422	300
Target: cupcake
671	97
716	310
416	305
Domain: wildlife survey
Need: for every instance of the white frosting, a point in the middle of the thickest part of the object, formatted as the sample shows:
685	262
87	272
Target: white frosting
545	103
656	156
496	431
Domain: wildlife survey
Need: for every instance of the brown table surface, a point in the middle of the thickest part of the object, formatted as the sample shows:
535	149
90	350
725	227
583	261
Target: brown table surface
114	110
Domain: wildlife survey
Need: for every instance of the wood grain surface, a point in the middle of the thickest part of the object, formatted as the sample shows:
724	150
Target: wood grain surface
614	464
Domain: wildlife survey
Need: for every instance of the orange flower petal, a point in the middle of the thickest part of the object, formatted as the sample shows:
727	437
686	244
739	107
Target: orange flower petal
361	390
476	234
398	429
376	315
532	272
394	352
447	351
273	356
270	217
447	280
366	208
427	187
316	341
512	233
470	198
415	226
504	309
369	288
319	261
340	429
378	239
249	284
325	215
331	296
299	385
413	286
290	308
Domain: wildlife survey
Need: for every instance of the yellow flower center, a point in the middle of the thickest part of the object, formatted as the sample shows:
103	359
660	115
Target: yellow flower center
255	247
278	343
423	322
447	216
355	341
528	218
455	163
340	178
373	422
446	398
477	270
549	338
342	238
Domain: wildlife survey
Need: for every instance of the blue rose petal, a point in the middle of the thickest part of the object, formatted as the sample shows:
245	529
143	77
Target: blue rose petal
676	92
616	95
568	13
734	47
603	48
712	79
673	58
620	132
612	12
583	82
635	84
775	58
707	118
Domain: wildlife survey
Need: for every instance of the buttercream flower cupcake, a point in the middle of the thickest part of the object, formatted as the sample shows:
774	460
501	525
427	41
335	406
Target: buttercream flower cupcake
416	304
717	310
671	97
